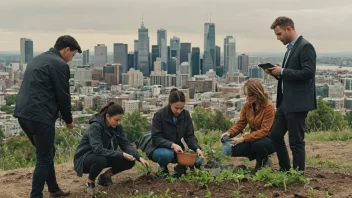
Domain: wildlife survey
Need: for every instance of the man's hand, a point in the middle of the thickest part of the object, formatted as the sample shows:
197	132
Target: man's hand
176	148
275	71
69	126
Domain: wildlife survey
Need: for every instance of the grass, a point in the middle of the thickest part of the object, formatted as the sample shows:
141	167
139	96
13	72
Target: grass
329	136
315	161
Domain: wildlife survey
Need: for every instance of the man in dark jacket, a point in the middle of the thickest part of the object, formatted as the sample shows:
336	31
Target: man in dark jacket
295	93
44	93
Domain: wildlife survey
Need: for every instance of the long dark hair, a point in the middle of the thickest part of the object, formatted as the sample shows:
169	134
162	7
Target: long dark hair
176	96
111	108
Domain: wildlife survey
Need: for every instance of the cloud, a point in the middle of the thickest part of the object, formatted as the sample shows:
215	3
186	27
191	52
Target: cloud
248	21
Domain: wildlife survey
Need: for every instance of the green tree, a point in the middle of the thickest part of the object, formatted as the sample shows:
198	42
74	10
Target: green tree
202	118
135	125
348	118
10	99
221	123
8	109
324	118
2	135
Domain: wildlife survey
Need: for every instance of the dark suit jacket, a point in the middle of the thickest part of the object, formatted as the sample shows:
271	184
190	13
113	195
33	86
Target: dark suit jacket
298	79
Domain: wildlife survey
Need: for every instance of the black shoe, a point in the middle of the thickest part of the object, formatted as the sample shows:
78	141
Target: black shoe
60	193
262	162
104	181
179	170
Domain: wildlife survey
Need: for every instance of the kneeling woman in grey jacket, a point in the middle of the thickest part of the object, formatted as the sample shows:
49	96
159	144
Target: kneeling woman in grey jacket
98	148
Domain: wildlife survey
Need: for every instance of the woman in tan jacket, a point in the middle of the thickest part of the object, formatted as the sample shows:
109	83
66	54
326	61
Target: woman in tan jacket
259	113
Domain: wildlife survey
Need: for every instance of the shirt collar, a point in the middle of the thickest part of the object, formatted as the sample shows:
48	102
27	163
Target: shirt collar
292	43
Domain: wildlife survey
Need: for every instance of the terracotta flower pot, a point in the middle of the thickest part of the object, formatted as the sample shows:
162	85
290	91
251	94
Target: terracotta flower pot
186	159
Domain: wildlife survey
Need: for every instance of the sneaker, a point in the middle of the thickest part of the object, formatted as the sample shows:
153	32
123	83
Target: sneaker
89	188
60	193
104	181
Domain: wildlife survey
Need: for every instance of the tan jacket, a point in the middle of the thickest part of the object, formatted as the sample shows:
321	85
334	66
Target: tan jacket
260	123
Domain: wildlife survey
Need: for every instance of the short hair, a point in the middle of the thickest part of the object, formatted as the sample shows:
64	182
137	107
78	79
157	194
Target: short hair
67	41
282	22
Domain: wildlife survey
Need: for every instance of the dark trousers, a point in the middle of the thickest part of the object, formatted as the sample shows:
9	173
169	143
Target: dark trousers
93	165
294	123
42	137
259	148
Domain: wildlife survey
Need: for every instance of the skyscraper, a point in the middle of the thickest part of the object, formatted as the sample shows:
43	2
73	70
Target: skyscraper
100	55
175	48
209	59
219	68
195	62
162	43
226	53
155	54
185	50
86	57
26	45
243	63
143	50
232	56
136	46
130	60
121	56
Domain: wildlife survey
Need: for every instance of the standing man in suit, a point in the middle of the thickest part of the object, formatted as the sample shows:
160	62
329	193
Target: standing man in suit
295	93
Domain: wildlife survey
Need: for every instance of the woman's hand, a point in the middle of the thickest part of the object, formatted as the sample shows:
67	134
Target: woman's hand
200	153
144	162
128	157
176	148
237	140
226	134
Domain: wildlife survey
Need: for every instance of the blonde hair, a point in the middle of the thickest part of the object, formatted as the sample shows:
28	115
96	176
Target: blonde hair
255	87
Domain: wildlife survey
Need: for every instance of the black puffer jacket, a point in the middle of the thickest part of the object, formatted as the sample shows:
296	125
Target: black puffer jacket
102	141
165	131
45	90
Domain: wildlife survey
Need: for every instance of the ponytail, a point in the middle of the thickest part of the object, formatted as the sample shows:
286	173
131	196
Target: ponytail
110	108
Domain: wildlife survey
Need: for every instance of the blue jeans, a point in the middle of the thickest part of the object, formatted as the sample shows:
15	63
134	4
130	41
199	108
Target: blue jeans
164	156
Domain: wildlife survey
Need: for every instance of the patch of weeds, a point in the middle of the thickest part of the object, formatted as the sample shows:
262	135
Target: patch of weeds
315	161
280	179
311	192
236	194
260	195
327	195
208	195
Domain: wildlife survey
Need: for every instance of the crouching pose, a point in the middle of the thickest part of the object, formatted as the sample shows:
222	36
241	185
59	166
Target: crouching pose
98	148
259	113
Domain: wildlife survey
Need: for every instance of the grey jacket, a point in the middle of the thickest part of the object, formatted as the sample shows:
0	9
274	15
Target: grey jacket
102	141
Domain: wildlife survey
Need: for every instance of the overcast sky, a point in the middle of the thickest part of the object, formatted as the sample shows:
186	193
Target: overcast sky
325	23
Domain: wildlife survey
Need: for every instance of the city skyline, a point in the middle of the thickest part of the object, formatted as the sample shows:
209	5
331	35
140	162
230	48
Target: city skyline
323	24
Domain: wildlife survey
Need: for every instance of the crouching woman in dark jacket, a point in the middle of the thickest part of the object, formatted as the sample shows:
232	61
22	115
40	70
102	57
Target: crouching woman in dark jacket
98	148
170	124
